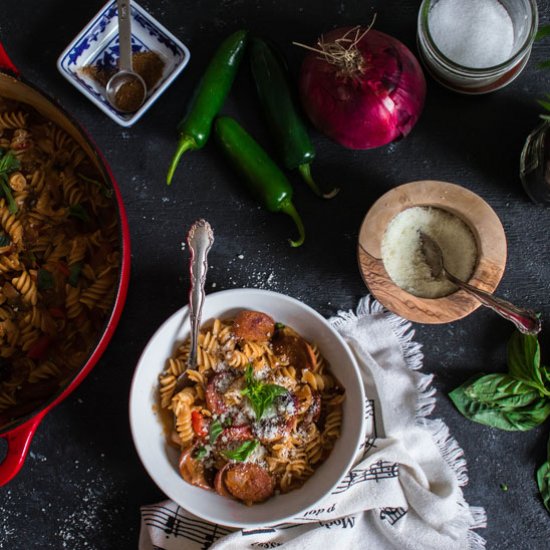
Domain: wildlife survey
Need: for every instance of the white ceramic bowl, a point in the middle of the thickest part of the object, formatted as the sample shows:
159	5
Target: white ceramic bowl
161	460
98	44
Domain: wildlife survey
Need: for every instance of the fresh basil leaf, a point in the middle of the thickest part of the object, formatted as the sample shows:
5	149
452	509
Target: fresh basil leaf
215	430
260	395
519	418
543	31
524	359
279	326
4	239
200	452
74	273
249	375
543	481
502	390
241	453
270	391
44	280
12	205
8	163
78	211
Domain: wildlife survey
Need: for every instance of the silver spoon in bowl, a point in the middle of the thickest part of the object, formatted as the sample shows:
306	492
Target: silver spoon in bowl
526	320
199	240
126	89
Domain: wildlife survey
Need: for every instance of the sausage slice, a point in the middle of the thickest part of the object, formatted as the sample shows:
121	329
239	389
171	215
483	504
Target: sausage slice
248	482
254	326
192	470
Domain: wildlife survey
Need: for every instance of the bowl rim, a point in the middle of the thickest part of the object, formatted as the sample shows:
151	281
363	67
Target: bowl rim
456	199
119	118
136	399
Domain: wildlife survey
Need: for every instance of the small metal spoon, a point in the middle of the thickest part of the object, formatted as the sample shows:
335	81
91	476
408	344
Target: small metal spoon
525	320
125	84
199	240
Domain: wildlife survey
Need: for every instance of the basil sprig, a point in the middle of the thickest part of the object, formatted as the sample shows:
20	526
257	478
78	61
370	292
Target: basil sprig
44	280
214	431
543	479
241	453
199	453
260	395
8	164
516	401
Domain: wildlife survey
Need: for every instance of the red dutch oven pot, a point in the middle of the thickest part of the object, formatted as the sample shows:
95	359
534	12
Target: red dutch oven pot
19	432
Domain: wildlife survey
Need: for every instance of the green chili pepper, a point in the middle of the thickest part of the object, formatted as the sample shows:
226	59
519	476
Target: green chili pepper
262	176
209	97
283	118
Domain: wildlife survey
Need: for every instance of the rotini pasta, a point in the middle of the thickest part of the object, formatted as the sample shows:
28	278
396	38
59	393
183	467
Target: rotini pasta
59	258
259	413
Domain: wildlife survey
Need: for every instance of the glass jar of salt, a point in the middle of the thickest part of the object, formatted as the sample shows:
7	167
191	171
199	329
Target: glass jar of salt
476	46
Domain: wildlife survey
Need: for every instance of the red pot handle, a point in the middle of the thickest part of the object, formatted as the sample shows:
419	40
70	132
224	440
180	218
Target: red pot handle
19	442
6	64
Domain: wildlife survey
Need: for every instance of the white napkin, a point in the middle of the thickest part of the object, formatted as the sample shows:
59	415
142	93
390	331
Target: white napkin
404	490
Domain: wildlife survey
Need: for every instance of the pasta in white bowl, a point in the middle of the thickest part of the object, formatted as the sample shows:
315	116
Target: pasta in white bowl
165	443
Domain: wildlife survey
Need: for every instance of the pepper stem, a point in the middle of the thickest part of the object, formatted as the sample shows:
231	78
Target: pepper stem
288	208
305	170
184	144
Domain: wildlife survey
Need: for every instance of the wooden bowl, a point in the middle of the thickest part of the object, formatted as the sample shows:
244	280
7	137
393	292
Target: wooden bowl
472	209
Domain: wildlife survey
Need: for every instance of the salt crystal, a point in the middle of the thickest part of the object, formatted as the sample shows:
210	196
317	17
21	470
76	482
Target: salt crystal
472	33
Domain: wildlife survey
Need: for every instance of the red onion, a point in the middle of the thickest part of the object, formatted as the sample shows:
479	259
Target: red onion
362	88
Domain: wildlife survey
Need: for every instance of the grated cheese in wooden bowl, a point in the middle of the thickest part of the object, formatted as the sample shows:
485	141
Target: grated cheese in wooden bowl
403	258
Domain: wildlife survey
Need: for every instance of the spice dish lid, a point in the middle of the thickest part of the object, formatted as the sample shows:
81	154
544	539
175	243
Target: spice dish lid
457	200
97	46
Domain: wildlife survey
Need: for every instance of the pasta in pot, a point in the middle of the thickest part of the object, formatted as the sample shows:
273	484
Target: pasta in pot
259	413
59	258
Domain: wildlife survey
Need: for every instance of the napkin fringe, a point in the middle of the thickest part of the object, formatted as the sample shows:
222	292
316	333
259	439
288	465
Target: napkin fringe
425	403
411	350
473	517
468	519
449	448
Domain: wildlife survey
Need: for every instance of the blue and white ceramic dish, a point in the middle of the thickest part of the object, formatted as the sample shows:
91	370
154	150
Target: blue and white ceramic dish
97	45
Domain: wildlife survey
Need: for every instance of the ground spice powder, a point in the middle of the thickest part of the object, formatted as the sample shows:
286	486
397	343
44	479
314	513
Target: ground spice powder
148	65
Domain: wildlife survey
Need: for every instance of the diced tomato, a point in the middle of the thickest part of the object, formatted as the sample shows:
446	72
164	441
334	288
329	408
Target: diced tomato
40	347
199	424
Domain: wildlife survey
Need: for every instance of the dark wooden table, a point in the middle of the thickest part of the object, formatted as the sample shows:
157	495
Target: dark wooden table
82	484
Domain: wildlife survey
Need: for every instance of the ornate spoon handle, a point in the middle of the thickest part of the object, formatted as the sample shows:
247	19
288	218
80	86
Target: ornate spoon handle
525	320
199	239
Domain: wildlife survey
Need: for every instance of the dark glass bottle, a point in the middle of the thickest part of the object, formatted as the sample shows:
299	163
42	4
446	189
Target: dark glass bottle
535	164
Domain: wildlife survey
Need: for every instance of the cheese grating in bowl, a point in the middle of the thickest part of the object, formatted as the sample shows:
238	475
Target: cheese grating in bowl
403	258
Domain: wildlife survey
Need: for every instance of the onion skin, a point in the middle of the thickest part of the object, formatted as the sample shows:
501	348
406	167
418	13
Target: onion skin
368	109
